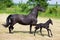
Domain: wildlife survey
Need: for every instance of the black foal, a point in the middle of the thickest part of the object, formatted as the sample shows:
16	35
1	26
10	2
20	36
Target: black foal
44	25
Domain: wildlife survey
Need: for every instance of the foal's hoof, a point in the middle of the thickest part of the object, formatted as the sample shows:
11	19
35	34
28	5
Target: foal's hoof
42	34
49	36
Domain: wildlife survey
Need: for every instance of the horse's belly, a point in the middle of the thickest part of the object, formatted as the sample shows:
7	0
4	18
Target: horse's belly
25	22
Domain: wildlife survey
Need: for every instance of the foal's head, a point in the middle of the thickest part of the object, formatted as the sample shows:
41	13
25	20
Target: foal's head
50	21
39	8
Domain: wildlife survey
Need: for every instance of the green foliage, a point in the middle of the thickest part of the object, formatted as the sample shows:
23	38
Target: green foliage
17	10
51	12
5	3
43	3
32	3
25	7
8	7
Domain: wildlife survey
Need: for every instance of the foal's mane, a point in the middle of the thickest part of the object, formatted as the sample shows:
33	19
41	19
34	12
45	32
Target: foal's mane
47	22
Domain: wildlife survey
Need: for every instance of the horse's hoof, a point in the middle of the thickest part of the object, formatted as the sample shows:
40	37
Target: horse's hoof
49	36
34	34
11	32
31	32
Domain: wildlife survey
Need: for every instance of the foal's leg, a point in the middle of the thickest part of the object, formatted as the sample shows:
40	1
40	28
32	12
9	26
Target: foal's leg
48	32
51	32
41	31
30	28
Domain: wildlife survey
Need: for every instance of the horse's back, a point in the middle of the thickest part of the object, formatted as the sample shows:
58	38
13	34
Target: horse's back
18	16
21	19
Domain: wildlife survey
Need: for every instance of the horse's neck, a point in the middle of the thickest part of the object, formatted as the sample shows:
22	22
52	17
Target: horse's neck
47	23
33	13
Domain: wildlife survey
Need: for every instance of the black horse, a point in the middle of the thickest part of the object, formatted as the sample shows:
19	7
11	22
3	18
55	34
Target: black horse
30	19
44	25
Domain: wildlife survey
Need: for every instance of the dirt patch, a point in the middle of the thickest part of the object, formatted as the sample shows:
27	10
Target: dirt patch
21	32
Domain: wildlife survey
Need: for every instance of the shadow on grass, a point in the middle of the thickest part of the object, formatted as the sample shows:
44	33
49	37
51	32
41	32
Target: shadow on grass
20	31
43	34
37	33
23	32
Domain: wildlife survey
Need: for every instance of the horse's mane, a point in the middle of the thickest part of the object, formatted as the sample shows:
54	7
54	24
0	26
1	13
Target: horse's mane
32	9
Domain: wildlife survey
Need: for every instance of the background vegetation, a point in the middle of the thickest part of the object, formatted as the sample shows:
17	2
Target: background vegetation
8	7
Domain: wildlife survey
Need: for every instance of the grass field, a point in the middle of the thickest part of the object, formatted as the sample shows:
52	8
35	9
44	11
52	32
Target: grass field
21	32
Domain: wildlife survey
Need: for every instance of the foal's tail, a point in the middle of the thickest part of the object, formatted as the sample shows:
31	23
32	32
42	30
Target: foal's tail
7	21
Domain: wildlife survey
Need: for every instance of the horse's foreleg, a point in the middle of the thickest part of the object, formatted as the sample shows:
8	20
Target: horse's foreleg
12	27
35	32
40	30
30	28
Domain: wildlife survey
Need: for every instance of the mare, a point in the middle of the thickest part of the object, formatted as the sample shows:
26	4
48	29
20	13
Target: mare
30	19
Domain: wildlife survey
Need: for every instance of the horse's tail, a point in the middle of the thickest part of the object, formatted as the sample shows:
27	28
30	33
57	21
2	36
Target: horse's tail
7	21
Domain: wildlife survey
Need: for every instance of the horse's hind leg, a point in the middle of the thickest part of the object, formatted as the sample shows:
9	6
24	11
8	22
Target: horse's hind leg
11	25
10	28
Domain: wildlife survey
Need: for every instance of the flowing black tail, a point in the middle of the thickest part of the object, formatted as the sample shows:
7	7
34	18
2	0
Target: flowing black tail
7	21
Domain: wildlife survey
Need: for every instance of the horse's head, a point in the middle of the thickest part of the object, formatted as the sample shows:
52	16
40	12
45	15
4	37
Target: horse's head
50	21
39	8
